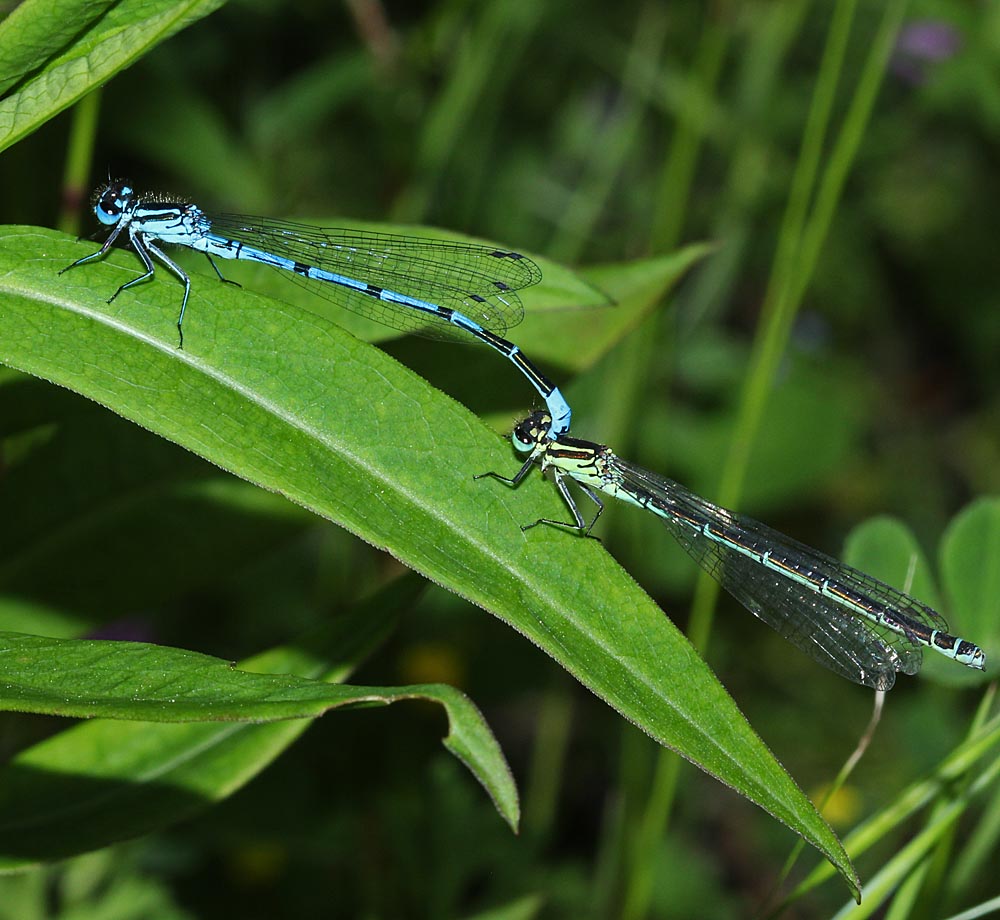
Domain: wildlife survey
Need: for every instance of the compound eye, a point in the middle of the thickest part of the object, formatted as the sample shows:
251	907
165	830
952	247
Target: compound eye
112	202
522	439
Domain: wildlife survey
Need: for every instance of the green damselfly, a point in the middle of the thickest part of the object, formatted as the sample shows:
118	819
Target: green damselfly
849	622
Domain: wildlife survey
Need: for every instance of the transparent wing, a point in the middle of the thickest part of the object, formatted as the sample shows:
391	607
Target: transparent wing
857	648
475	280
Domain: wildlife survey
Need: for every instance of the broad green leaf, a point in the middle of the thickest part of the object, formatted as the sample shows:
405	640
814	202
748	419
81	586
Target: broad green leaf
290	402
37	30
887	549
106	38
103	781
91	487
574	331
970	573
93	678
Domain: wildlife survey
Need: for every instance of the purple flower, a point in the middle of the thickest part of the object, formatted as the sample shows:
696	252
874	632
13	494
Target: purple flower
921	44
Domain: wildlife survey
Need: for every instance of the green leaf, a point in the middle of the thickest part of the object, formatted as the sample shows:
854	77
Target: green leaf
37	30
104	781
574	328
283	399
56	53
94	678
970	573
887	549
90	487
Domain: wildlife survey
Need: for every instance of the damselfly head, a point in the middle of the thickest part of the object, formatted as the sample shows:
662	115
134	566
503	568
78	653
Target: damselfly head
533	431
111	200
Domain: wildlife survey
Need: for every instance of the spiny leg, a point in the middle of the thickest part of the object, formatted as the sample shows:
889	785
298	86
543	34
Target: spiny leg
514	482
165	260
578	524
222	277
99	254
139	245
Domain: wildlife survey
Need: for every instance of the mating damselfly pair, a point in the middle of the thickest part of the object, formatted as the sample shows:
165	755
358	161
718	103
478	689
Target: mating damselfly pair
848	621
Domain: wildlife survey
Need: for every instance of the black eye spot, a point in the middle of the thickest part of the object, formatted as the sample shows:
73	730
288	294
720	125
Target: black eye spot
109	202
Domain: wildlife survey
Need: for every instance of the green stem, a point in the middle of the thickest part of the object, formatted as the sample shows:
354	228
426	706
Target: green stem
79	161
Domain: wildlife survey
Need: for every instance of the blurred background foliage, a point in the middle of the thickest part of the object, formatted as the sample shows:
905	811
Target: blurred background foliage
590	133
